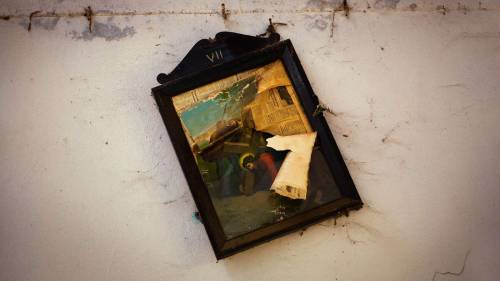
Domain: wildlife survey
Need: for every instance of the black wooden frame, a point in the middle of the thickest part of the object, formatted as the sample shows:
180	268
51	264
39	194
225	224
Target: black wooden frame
185	78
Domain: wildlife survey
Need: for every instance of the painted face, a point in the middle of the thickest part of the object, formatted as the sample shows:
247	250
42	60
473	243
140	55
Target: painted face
250	165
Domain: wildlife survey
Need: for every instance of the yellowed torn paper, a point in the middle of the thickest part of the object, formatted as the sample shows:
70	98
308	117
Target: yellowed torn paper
276	108
291	180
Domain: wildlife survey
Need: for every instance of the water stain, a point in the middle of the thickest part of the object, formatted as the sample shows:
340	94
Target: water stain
108	31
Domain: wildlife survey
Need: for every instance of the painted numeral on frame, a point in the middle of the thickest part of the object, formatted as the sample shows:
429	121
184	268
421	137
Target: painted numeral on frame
213	56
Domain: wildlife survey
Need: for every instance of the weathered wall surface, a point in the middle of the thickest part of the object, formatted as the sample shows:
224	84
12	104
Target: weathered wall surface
91	188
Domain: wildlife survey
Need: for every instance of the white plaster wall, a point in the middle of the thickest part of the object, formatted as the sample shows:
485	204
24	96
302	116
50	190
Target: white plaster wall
91	188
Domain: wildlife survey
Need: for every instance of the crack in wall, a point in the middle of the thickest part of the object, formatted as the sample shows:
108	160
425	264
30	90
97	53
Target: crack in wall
436	273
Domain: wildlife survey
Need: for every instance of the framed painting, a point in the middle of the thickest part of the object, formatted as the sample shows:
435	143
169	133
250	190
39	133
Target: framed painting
258	155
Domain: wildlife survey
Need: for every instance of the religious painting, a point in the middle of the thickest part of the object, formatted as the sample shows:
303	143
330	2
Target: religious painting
227	123
252	142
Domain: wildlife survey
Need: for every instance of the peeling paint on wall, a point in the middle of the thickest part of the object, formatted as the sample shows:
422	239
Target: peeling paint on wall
46	23
391	4
109	31
319	22
323	4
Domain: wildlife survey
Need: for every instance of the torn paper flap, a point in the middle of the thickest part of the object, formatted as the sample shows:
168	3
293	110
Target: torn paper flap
272	76
292	178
